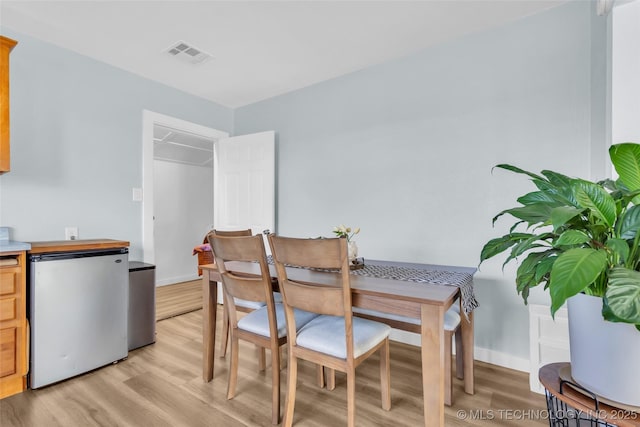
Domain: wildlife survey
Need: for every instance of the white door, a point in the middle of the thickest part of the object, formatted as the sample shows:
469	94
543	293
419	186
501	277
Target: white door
244	182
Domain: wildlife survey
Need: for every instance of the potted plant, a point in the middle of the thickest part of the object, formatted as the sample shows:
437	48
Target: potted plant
581	239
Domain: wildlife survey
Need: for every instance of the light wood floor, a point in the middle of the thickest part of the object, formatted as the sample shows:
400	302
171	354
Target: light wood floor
181	298
161	385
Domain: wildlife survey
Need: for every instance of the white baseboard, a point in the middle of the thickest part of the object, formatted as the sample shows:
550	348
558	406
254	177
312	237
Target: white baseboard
501	359
174	280
482	354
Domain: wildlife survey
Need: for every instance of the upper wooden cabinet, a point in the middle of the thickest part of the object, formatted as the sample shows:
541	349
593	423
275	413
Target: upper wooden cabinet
6	44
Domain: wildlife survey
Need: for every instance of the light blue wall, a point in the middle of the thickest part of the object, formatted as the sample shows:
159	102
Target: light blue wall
76	143
405	150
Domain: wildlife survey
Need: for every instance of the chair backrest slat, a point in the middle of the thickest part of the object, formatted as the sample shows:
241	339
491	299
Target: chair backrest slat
319	253
233	233
321	300
243	287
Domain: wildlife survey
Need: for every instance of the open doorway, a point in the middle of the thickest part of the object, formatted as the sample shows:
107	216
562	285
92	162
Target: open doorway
177	193
182	200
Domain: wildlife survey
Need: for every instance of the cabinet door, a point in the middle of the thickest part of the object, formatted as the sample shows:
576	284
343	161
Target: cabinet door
8	343
14	359
6	45
8	281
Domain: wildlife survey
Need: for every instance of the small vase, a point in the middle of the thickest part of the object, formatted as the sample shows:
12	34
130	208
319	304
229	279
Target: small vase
353	250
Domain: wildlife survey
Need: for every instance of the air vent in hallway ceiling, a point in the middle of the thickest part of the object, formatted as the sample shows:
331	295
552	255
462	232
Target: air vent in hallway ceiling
188	53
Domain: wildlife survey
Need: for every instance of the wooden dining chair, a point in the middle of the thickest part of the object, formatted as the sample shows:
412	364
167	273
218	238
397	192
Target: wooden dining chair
266	326
335	339
451	328
241	305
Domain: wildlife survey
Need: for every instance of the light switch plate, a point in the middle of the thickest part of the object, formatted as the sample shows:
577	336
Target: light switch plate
137	194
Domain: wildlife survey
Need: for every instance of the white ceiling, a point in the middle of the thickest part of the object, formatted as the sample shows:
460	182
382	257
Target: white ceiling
260	49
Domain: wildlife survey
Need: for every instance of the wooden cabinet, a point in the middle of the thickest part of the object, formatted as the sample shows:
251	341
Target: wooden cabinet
6	44
13	323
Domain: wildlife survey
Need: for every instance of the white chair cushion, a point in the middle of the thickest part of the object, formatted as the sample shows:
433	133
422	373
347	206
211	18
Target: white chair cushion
277	297
326	334
249	304
451	317
258	321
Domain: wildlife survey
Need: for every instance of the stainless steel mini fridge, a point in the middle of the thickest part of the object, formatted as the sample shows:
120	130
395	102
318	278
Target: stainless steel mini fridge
78	305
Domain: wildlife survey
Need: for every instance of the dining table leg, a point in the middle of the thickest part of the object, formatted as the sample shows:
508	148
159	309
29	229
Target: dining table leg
209	309
466	324
433	354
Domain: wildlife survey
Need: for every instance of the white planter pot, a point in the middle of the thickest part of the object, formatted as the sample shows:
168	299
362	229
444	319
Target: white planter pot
605	356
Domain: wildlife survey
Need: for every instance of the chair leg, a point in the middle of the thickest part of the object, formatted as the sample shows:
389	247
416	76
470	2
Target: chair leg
447	368
385	376
351	397
224	336
262	358
275	385
331	379
459	355
283	363
290	402
233	368
320	375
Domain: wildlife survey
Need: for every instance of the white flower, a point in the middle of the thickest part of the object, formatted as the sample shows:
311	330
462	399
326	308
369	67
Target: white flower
343	231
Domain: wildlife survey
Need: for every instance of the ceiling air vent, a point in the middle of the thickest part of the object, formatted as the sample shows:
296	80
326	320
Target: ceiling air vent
188	53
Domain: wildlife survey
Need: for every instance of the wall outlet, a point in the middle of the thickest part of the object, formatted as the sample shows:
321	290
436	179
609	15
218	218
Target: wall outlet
71	233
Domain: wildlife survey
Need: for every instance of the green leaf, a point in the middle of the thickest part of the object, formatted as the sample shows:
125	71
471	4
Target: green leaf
528	275
623	294
557	179
544	267
626	160
608	314
518	170
527	244
500	244
572	237
532	214
630	223
573	271
514	226
595	198
609	184
538	197
620	248
563	195
561	215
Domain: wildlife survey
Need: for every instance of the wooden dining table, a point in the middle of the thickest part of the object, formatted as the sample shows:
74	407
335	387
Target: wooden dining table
424	301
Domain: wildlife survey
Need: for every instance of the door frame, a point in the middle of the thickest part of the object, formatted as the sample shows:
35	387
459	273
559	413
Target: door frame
149	120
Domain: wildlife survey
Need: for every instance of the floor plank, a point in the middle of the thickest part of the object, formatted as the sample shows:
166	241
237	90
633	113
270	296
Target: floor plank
180	298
